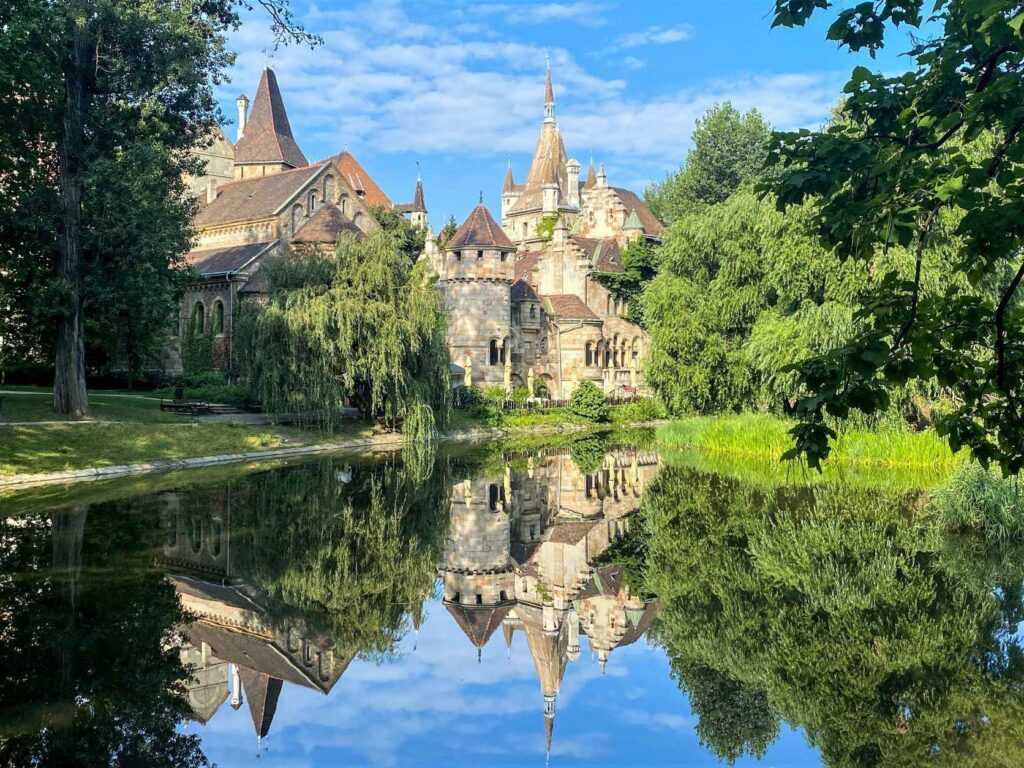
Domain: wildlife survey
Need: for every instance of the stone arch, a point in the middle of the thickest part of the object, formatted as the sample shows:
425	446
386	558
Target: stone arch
357	219
217	318
329	188
343	203
312	199
493	352
198	317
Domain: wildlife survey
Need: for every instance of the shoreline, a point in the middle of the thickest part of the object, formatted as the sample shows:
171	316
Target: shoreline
389	441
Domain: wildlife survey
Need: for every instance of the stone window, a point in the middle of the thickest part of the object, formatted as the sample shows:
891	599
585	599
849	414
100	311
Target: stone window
479	599
312	201
504	255
458	255
493	495
495	354
479	254
198	318
218	317
533	311
589	354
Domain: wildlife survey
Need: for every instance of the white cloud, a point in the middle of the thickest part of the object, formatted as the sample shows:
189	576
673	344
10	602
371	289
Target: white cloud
385	83
655	36
583	12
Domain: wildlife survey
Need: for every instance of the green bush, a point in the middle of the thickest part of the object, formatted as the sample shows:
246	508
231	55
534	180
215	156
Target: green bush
588	453
520	395
494	393
588	402
648	409
479	405
979	499
468	397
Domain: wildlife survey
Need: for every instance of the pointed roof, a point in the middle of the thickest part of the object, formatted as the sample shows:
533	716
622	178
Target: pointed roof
549	158
632	221
418	204
648	221
549	733
510	182
591	177
479	229
360	180
268	134
325	225
262	692
479	623
549	91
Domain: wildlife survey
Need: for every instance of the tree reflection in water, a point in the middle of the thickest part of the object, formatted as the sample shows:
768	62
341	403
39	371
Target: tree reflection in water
849	614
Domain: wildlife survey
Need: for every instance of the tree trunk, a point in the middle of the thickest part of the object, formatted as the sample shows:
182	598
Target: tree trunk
69	395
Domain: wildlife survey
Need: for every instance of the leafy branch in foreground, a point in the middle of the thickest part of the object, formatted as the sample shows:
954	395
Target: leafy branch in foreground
933	153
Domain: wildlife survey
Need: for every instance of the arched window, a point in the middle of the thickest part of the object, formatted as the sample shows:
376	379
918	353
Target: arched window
610	306
533	311
479	254
358	219
218	317
343	204
296	218
312	201
494	353
198	318
493	495
328	188
589	354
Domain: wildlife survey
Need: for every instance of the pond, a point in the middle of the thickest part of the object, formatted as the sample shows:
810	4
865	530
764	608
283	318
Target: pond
592	603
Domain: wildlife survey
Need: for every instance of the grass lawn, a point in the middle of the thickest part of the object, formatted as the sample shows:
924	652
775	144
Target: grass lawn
753	444
140	432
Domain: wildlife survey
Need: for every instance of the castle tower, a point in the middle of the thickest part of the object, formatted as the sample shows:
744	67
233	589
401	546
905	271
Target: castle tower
418	209
548	189
266	145
476	278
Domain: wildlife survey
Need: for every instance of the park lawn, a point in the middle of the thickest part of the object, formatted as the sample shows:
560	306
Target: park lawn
34	404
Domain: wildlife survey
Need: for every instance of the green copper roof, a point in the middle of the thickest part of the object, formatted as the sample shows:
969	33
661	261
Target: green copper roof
633	221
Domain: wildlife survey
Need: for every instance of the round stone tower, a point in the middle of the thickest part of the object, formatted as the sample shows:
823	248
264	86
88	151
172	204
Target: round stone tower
477	280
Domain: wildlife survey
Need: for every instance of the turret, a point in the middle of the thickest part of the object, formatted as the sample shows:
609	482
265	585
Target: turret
508	194
242	102
633	228
602	177
572	172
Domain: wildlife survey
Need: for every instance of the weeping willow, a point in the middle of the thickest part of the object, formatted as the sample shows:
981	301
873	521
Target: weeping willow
363	327
352	552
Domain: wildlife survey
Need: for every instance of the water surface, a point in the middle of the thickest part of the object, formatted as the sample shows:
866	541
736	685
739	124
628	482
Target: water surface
590	604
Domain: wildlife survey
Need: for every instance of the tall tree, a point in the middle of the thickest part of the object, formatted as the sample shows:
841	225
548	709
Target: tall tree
87	82
910	151
729	148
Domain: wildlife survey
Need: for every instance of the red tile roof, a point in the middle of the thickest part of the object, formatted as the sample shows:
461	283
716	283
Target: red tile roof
360	180
567	306
603	252
325	225
268	135
219	261
478	622
256	198
479	229
526	263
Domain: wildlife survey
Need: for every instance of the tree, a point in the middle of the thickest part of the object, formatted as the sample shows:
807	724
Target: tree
940	143
106	98
588	402
363	326
729	148
639	267
447	232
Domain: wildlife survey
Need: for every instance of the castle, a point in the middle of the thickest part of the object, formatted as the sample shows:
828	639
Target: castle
525	305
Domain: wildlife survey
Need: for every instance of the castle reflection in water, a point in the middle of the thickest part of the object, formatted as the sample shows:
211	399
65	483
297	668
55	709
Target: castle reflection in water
520	556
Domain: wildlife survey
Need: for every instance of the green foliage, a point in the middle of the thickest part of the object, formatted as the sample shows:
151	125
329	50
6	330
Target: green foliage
447	232
588	453
197	353
363	327
976	499
640	265
647	409
729	148
913	160
546	226
588	402
410	240
847	614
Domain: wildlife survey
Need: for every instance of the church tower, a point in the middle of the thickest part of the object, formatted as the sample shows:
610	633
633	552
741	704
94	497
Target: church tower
265	145
476	277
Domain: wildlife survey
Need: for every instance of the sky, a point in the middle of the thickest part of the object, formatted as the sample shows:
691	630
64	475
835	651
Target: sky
434	705
454	88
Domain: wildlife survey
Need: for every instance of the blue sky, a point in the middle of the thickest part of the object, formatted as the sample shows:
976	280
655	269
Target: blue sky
436	706
457	86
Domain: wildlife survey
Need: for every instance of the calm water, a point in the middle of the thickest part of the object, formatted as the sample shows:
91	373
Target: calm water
589	605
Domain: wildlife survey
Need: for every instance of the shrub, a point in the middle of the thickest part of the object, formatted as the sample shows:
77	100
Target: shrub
648	409
494	393
588	402
520	395
468	397
588	453
476	404
978	499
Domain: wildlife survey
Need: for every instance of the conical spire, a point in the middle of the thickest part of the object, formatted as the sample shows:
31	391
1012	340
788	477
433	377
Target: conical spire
418	204
262	692
268	134
549	97
591	176
549	724
510	182
480	229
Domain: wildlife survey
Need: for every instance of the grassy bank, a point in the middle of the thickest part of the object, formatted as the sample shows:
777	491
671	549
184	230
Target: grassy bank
750	447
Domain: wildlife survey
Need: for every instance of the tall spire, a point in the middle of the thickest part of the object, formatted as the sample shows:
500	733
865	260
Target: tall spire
549	724
510	182
267	138
549	97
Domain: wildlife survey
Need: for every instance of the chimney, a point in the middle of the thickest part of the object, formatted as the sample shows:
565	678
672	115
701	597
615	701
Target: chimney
242	102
